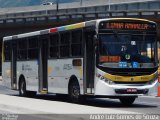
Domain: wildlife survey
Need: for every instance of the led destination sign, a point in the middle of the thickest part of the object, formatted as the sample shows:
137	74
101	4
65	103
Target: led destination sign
127	26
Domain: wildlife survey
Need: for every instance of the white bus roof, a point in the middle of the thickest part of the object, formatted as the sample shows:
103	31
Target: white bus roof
67	27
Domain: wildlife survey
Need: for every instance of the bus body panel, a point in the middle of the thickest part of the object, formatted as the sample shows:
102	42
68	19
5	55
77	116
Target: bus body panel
105	89
59	73
6	74
28	69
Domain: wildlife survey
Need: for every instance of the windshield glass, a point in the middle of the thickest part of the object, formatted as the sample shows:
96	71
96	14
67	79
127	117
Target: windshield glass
127	51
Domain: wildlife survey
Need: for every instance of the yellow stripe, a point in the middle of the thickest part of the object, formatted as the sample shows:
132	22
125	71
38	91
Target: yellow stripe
143	78
2	52
74	26
43	92
81	71
50	70
158	70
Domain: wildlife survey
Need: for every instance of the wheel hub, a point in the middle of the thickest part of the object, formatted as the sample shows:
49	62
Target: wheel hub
75	91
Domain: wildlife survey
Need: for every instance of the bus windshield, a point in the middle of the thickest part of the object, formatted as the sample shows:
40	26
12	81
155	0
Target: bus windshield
127	50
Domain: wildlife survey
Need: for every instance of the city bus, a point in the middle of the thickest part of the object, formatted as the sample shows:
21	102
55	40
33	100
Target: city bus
103	58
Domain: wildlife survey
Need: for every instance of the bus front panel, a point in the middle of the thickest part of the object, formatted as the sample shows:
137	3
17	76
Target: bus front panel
126	58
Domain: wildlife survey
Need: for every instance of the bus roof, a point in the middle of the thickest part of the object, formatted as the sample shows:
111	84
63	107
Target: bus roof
67	27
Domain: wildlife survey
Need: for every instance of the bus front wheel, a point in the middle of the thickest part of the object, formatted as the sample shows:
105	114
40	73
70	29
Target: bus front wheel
127	101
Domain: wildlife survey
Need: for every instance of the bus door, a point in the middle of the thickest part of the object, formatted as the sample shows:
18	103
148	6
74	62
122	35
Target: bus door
89	62
14	65
43	64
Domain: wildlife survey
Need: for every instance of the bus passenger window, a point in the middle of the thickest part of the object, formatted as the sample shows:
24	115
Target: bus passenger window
64	44
76	44
54	44
33	48
7	50
22	49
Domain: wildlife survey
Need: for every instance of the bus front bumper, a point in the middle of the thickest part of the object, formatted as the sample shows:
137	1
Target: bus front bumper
105	89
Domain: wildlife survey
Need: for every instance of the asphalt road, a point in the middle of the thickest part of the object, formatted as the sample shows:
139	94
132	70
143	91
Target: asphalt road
142	105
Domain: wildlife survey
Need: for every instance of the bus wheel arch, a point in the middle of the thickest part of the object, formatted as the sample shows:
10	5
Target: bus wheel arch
22	86
74	89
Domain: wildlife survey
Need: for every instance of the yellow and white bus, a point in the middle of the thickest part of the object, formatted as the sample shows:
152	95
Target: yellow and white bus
114	58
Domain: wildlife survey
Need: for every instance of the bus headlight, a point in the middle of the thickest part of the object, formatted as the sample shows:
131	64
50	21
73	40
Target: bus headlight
155	78
151	81
110	82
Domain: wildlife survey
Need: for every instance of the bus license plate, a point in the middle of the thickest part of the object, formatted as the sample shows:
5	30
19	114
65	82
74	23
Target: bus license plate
131	90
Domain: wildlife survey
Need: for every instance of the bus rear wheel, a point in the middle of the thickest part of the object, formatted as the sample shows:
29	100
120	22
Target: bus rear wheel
74	92
127	101
22	88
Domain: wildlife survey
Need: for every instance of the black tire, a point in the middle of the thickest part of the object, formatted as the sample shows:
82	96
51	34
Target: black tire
74	93
127	101
22	88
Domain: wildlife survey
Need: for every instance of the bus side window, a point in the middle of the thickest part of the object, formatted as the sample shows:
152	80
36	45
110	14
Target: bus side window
54	45
76	43
7	51
33	48
64	44
22	49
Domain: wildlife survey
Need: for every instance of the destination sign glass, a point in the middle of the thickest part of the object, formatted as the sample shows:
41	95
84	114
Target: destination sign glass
127	25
